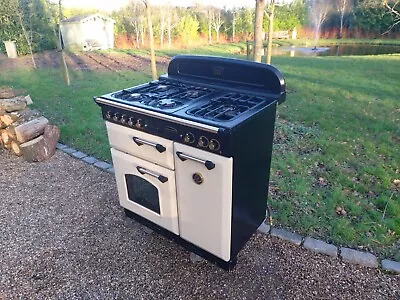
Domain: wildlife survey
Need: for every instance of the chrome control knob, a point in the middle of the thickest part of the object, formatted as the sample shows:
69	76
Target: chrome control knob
131	121
123	119
214	145
189	138
203	141
108	115
139	123
116	117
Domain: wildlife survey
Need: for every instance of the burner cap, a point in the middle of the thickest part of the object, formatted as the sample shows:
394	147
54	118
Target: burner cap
161	87
167	103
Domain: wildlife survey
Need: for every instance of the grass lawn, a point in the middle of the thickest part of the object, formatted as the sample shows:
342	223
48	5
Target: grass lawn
336	145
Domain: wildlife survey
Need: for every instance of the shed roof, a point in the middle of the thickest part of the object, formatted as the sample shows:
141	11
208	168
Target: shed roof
85	17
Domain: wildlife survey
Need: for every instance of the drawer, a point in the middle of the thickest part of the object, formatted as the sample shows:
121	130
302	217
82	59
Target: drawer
146	146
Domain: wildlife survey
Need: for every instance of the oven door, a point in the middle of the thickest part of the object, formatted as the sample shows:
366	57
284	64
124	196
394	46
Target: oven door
146	189
204	189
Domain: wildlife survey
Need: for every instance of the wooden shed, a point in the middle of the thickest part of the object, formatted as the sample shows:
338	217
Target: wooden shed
87	32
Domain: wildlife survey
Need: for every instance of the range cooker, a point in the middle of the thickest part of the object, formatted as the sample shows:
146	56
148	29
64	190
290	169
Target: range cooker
192	151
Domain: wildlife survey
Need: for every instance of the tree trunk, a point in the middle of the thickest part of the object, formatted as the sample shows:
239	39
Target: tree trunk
64	66
151	38
162	29
169	31
233	27
258	30
209	29
270	31
341	24
26	38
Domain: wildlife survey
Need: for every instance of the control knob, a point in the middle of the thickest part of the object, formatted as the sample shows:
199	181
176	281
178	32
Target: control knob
214	145
108	115
116	117
123	119
189	138
131	121
139	123
203	141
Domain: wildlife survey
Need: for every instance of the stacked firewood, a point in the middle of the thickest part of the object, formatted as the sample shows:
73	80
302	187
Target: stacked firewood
25	131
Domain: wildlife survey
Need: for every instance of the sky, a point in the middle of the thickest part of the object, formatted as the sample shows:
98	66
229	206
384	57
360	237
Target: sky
108	5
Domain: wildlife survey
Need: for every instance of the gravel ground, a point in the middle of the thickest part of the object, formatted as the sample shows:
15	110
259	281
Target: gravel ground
64	236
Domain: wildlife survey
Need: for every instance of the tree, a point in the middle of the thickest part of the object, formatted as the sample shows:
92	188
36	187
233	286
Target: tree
245	22
234	17
60	47
210	14
395	13
342	7
258	30
318	11
151	38
217	22
270	14
187	27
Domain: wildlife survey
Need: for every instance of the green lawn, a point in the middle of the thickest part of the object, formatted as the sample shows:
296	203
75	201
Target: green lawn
337	140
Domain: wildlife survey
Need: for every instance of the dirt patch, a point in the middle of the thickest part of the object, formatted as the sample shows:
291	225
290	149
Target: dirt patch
86	61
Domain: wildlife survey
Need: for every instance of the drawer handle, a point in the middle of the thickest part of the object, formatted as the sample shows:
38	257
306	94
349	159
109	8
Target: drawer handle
143	171
207	163
160	148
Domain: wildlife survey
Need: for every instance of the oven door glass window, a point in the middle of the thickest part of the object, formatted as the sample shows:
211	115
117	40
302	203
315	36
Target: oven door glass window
142	192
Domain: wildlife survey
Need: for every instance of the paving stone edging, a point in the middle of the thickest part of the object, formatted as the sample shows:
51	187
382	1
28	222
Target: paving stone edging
362	258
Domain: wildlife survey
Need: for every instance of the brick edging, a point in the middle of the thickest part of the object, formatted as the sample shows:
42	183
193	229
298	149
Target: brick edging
362	258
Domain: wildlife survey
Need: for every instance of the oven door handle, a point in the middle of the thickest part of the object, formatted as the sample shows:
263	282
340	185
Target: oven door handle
207	163
143	171
160	148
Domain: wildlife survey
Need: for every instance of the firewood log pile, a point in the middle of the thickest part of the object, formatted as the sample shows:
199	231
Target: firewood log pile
24	131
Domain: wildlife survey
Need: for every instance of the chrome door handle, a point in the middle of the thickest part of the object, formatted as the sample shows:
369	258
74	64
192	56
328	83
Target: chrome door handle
207	163
143	171
160	148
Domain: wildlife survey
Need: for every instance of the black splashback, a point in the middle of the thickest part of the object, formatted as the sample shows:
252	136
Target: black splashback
228	72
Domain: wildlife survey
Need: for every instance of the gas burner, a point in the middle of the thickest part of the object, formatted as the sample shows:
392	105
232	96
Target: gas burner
167	103
226	107
161	87
163	95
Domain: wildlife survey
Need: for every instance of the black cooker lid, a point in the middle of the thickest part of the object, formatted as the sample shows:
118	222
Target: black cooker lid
228	72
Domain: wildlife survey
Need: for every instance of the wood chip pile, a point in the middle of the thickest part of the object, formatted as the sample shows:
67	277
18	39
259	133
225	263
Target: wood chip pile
25	131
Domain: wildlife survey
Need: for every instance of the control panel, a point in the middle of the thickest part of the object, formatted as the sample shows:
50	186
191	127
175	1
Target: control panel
185	134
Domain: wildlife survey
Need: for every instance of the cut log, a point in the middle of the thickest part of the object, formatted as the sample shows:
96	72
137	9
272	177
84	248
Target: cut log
6	92
42	147
28	100
4	136
11	132
15	148
52	136
31	129
13	104
26	115
8	119
34	150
